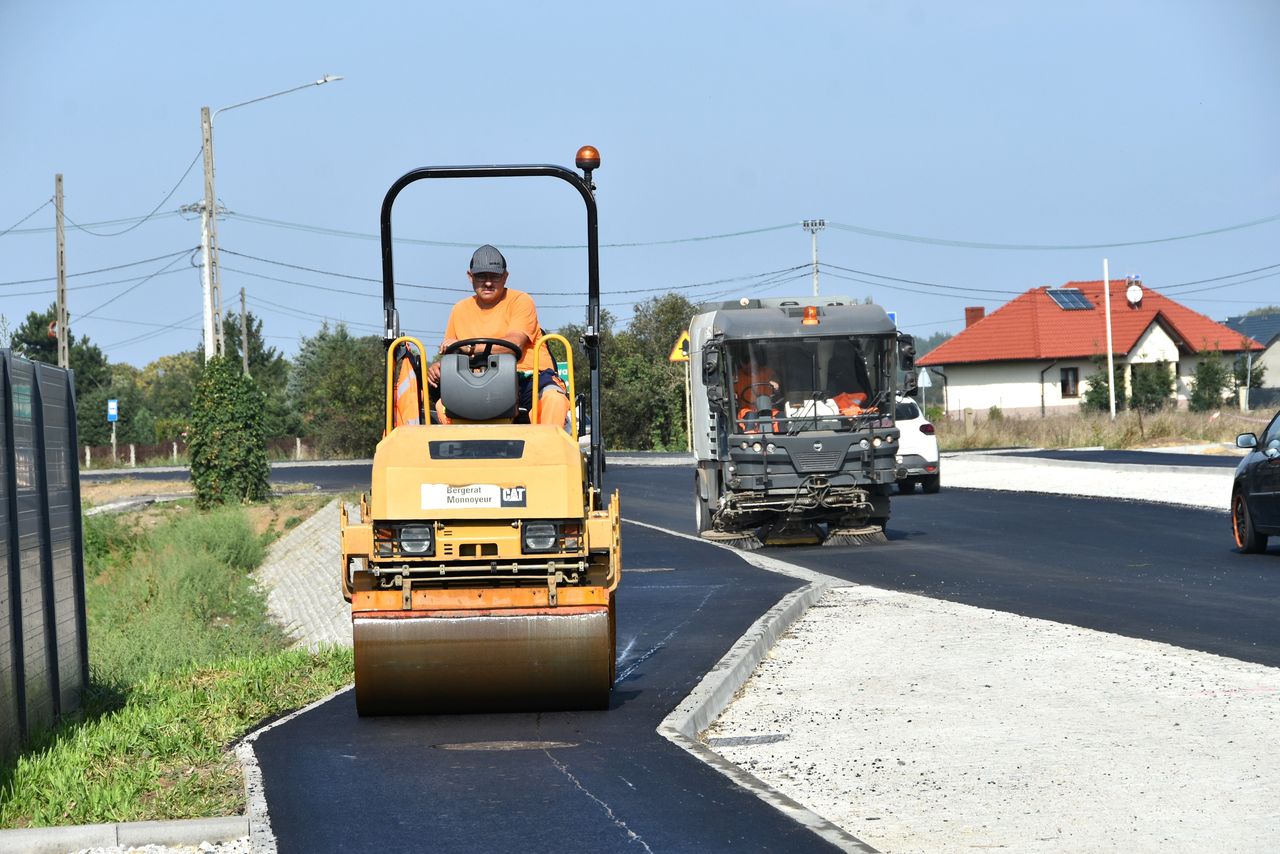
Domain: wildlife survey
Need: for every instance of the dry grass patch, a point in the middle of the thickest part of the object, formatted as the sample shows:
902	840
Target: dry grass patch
1128	430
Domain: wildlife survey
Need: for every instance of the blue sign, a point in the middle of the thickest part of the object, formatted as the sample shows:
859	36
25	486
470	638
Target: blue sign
893	317
113	410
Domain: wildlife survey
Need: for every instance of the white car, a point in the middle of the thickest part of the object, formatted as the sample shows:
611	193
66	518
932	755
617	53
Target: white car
917	448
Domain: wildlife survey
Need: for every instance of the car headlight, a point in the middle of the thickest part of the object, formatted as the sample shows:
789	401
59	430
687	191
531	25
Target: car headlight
539	537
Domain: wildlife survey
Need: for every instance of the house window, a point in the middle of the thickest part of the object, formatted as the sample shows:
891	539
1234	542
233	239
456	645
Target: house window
1070	382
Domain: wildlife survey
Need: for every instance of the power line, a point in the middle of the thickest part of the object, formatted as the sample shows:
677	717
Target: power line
177	324
119	221
91	286
968	244
338	232
915	282
153	211
99	270
47	202
128	290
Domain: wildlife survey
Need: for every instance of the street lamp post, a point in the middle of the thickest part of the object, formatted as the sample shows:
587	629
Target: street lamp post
211	285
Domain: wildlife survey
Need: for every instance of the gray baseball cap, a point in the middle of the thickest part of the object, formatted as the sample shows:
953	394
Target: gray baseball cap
487	259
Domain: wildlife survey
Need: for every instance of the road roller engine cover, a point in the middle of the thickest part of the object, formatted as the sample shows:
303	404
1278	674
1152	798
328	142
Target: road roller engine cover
794	438
482	570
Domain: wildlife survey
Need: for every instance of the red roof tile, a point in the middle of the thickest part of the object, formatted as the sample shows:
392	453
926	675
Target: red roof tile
1033	326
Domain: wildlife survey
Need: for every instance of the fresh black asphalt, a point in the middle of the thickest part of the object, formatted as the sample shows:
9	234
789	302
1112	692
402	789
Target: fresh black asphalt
1136	458
1154	571
338	782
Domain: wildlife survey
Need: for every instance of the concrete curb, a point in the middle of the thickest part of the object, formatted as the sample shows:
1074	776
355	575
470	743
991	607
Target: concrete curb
58	840
716	690
1129	468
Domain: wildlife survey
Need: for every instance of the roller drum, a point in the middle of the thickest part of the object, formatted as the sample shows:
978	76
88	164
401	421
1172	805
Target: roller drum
483	663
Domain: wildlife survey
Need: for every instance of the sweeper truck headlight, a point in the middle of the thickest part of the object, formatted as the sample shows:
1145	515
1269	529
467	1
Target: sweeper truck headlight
540	537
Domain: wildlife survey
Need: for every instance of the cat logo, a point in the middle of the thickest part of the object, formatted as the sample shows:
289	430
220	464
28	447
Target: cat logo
513	496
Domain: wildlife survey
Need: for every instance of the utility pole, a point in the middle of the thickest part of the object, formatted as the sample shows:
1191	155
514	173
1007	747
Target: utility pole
813	226
244	336
60	318
213	343
1111	370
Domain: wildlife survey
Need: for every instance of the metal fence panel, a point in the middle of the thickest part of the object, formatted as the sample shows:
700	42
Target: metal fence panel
10	721
43	649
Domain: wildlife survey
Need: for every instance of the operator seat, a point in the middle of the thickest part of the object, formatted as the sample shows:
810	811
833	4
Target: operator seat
479	388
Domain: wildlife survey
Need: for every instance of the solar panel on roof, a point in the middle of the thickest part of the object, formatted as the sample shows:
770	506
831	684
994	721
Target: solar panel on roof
1069	299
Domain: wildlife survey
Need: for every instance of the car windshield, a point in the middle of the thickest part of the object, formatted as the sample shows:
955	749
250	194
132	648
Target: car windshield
905	410
797	385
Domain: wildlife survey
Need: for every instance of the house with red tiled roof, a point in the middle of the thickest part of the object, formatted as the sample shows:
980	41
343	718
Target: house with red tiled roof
1035	354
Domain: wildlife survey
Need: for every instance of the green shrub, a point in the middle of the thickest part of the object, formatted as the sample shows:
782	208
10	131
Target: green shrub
1097	398
934	413
1152	386
1211	380
228	447
995	413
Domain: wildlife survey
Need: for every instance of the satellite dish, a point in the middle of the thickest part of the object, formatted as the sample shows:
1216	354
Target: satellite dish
1133	293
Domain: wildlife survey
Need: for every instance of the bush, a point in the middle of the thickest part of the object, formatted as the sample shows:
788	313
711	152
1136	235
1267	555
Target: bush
995	413
934	413
1097	398
1152	386
1211	380
228	448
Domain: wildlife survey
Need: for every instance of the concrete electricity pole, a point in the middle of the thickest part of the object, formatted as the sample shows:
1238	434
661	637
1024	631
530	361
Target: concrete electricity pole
813	226
213	338
244	336
1111	368
60	318
209	245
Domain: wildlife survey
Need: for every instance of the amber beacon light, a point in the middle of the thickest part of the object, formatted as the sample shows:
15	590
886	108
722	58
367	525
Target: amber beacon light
810	316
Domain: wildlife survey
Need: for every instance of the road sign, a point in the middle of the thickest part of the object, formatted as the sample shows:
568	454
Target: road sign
680	352
893	317
923	380
113	410
562	368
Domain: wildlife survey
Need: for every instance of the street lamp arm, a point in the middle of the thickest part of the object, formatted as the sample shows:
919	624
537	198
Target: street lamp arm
328	78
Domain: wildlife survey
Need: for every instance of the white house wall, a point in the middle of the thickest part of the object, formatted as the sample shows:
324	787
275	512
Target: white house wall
1015	387
1012	386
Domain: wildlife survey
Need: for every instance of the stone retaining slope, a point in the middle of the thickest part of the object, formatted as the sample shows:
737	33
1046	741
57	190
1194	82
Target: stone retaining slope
301	577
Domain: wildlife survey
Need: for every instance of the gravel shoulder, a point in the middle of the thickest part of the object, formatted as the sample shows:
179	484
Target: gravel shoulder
954	728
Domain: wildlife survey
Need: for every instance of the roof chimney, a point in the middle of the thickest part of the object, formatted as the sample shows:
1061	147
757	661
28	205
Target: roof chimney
972	314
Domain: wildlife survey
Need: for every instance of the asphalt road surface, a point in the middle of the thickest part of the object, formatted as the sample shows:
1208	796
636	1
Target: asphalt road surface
571	782
1153	571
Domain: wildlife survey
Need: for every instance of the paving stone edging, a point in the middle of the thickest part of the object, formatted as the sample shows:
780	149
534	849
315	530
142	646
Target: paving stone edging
59	840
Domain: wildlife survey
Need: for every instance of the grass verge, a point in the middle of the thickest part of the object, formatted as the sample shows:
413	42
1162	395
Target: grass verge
184	659
1128	430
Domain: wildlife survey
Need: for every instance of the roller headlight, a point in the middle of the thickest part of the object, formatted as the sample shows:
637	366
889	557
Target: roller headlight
417	539
540	537
407	539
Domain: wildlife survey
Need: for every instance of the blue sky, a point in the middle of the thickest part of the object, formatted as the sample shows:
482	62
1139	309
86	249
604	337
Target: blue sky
988	122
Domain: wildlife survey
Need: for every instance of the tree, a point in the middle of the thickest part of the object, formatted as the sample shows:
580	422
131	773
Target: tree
1212	378
1097	398
92	371
1152	386
167	387
1266	309
228	450
337	388
269	369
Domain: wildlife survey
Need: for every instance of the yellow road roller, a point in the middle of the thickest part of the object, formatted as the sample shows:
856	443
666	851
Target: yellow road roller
482	571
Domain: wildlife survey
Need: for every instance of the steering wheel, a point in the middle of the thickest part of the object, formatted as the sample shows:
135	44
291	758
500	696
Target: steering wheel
487	343
767	386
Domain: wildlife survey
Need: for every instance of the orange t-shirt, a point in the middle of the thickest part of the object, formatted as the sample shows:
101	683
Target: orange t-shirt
515	311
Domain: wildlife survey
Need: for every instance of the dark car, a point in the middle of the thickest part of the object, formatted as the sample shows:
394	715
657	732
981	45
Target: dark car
1255	495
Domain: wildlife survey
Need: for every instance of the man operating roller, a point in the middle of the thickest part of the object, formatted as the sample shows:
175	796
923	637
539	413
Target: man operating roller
496	311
